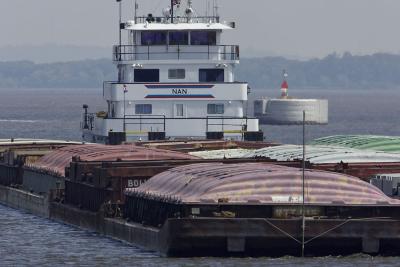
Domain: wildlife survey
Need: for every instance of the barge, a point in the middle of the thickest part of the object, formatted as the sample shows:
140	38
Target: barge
179	205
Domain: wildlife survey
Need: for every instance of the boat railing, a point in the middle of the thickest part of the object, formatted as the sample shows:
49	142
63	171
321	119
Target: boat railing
222	124
175	52
213	123
158	123
144	121
178	19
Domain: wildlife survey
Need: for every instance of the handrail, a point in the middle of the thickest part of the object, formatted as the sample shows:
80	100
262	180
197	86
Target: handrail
178	52
174	83
223	124
196	19
149	119
142	117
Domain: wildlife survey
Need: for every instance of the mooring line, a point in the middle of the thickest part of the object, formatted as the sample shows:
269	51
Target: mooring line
343	223
283	231
326	232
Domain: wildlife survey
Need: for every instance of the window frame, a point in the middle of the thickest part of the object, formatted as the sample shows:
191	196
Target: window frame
136	76
177	76
207	73
176	113
163	42
142	109
211	41
215	109
187	41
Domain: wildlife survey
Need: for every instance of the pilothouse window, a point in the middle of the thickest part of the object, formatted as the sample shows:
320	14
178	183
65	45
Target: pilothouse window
143	109
154	38
211	75
178	38
203	38
147	75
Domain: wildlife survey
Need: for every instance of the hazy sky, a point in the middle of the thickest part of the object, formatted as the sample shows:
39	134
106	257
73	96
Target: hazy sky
304	28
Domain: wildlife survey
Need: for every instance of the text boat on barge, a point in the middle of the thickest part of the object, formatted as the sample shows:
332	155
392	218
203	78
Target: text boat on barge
175	80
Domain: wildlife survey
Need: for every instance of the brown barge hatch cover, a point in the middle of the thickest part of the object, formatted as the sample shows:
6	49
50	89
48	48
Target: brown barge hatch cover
259	183
56	161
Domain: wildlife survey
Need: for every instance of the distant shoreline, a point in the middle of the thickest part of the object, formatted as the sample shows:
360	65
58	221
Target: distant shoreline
334	72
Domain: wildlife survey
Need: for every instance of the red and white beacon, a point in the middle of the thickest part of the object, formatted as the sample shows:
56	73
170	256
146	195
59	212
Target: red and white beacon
284	86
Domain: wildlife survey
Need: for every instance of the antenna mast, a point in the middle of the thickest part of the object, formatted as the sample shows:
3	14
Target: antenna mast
216	10
213	9
172	10
136	8
120	22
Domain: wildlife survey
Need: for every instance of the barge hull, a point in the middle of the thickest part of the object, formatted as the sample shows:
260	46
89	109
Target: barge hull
243	236
26	201
132	233
223	236
278	237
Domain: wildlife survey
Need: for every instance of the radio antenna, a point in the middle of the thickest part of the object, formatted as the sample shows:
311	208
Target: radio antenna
172	11
120	22
216	9
213	9
136	9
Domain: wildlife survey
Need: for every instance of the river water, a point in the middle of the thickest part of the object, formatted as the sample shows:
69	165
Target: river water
26	240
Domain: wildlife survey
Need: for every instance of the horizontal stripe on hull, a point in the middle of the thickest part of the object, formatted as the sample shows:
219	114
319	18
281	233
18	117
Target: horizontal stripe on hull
180	96
179	86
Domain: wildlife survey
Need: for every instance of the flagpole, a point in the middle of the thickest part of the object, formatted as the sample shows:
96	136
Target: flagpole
172	11
120	21
136	8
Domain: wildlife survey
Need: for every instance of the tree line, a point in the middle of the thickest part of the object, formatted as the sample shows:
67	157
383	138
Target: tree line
378	71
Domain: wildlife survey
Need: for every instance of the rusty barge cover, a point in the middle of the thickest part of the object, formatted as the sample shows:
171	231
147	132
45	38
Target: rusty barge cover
259	183
56	161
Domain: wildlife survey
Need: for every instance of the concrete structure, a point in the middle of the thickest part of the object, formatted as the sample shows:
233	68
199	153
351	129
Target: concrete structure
290	111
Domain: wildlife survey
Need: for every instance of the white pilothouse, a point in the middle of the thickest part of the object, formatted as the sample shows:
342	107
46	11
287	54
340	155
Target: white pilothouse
175	81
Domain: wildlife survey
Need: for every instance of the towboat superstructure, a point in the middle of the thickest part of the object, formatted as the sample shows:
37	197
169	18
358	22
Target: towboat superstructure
175	81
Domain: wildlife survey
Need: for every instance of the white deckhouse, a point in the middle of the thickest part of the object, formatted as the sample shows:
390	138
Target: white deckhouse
175	81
